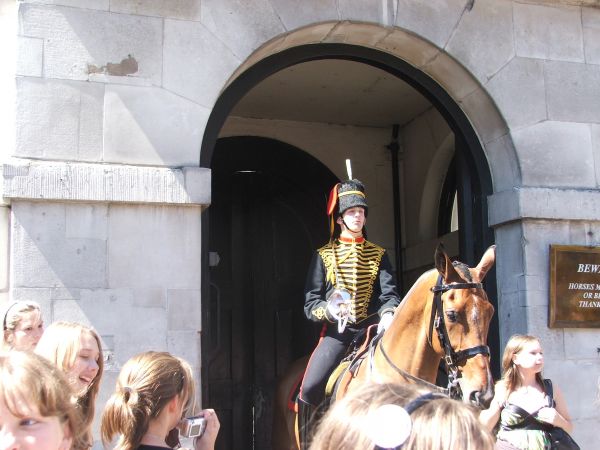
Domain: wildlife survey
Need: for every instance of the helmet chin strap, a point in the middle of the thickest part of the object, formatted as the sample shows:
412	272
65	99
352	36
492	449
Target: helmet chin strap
348	228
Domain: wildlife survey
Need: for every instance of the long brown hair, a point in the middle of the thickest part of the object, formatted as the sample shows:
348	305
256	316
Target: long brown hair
60	344
510	373
28	380
146	384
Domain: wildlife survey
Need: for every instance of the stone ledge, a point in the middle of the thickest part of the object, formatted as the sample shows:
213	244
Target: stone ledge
106	183
543	203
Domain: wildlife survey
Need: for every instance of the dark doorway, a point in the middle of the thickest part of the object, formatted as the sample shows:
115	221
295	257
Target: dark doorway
266	218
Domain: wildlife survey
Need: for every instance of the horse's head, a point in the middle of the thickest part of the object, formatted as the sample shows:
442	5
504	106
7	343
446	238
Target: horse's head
467	313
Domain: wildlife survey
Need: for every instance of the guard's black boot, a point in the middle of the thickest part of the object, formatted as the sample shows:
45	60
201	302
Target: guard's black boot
305	418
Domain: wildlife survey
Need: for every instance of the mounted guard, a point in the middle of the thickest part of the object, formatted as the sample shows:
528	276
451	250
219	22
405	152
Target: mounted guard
350	286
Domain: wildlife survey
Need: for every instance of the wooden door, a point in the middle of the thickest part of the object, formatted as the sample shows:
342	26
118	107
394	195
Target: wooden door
267	217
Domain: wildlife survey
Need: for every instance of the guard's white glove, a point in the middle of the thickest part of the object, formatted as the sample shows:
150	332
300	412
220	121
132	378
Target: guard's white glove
385	321
338	305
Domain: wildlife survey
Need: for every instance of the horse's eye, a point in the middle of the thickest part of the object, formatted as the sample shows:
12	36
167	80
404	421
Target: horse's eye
452	316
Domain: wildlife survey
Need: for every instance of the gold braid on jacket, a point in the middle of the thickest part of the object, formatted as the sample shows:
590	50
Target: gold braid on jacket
353	266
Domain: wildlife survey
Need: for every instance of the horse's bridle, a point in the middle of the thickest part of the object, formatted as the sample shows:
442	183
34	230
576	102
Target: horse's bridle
452	358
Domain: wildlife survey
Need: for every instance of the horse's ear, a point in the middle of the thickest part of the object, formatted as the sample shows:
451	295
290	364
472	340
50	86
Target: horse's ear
486	263
444	266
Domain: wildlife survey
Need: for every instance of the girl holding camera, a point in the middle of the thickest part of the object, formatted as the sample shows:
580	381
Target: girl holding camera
154	392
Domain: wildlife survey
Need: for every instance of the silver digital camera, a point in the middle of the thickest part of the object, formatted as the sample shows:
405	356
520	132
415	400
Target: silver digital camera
191	427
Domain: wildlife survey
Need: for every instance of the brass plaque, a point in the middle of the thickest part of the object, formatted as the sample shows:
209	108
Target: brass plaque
574	287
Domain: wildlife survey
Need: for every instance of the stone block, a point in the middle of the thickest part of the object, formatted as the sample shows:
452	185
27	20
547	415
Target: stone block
257	21
59	119
186	345
548	32
483	39
518	90
70	311
591	39
367	11
546	146
86	221
509	257
512	318
196	63
43	296
173	9
537	237
451	75
83	4
4	247
150	297
294	17
107	309
573	91
147	332
365	34
184	312
29	56
581	344
148	125
435	20
596	150
43	256
552	339
504	164
78	42
410	48
479	107
198	184
154	247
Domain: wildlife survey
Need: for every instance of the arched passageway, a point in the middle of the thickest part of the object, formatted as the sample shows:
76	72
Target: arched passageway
247	203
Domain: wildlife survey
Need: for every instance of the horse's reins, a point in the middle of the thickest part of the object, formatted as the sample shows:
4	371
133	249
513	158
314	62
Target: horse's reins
451	358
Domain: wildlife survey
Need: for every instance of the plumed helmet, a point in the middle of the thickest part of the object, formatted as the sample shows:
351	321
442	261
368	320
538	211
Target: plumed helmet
351	193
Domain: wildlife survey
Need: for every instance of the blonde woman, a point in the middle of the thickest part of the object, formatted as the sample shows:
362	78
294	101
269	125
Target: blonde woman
36	411
77	351
387	416
22	326
154	391
522	392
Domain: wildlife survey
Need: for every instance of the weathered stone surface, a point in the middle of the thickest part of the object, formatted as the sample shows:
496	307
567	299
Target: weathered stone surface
75	39
573	91
479	107
86	221
185	344
543	203
148	125
196	62
544	147
294	17
174	9
435	20
552	338
106	183
518	90
483	40
256	21
84	4
451	75
184	309
503	162
4	246
408	47
154	247
365	34
29	56
376	11
591	34
548	32
150	297
596	150
43	256
59	119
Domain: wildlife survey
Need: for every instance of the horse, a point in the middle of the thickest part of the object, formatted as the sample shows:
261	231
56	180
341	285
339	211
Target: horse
445	315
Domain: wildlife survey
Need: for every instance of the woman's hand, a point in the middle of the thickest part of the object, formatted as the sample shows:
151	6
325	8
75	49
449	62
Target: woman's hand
208	438
549	415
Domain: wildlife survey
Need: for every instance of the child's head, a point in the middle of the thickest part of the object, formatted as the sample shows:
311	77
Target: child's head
22	326
147	384
374	416
36	406
77	351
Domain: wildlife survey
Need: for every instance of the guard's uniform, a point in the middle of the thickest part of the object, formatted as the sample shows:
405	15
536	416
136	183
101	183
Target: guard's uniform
362	269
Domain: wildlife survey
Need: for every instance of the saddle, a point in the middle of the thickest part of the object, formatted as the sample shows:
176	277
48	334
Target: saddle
346	370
